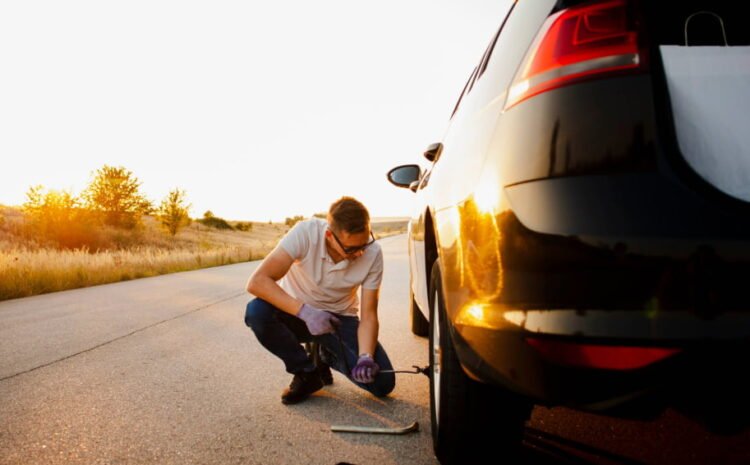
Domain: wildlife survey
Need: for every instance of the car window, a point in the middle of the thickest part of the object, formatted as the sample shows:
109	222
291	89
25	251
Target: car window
491	47
514	38
464	91
506	50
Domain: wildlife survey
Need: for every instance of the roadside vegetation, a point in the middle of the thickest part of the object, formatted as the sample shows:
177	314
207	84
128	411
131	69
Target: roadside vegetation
31	265
111	232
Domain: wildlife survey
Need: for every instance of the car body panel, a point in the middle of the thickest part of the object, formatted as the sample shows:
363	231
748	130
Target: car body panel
572	216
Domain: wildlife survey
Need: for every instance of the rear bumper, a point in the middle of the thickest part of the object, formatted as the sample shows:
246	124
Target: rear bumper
704	382
497	351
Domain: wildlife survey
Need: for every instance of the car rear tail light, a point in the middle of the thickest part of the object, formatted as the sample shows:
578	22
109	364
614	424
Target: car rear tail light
579	43
599	356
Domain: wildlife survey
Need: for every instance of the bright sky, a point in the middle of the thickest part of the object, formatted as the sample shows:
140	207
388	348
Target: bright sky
259	110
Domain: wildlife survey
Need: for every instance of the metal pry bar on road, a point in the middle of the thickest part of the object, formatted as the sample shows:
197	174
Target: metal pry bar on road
425	371
375	429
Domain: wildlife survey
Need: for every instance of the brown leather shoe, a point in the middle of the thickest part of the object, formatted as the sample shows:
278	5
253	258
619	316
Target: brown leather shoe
303	384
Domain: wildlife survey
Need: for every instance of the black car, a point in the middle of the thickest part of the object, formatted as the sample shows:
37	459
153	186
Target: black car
582	232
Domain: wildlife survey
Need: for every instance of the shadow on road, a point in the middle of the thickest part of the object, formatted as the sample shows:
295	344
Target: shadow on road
548	449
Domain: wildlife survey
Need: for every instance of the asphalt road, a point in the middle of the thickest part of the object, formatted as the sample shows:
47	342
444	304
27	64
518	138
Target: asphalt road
163	371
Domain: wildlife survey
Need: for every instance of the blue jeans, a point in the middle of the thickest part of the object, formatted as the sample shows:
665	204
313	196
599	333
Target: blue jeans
282	334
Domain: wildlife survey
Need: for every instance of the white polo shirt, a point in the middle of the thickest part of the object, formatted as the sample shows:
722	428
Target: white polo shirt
316	280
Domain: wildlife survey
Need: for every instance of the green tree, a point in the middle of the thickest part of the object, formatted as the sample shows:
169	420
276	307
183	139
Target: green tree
173	211
49	208
57	216
115	194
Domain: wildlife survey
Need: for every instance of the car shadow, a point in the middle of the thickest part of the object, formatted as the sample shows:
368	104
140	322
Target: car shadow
548	449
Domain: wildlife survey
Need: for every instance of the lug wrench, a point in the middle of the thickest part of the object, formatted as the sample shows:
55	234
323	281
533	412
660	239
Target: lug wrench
375	429
425	371
380	430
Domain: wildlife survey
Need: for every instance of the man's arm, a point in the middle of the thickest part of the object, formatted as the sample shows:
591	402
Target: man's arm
367	334
262	282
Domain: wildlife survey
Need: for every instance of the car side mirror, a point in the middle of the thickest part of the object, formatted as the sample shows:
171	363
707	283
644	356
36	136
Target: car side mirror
405	176
433	151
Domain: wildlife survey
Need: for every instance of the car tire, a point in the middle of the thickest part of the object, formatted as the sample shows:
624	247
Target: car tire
419	324
471	422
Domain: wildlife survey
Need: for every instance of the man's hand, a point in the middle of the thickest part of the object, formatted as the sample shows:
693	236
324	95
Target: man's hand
365	370
318	322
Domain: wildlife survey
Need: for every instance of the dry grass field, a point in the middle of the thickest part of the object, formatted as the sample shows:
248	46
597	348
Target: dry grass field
29	267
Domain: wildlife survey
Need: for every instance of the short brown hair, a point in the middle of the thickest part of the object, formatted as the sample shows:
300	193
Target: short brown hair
348	214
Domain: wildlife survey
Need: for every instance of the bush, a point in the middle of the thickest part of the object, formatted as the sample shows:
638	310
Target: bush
293	220
243	226
215	222
56	217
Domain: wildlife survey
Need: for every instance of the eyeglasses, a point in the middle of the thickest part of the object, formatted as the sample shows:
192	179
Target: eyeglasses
354	249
